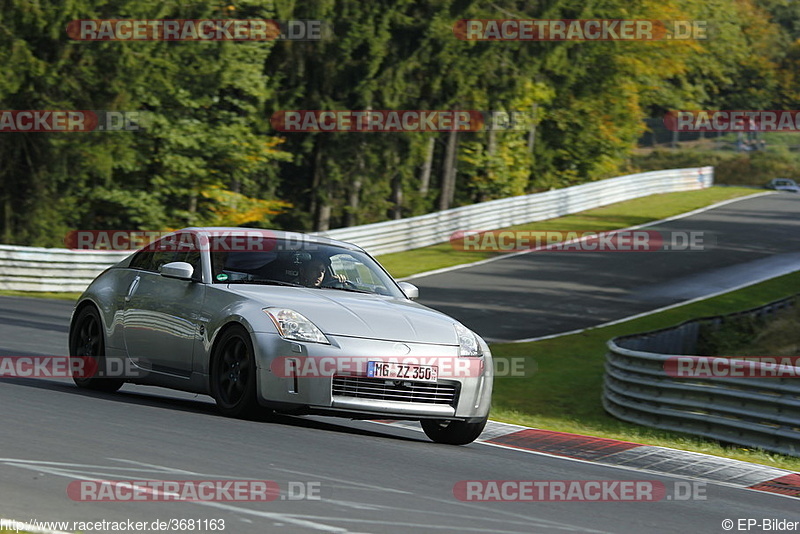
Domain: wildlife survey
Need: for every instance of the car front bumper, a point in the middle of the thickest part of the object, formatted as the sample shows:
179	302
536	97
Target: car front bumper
332	379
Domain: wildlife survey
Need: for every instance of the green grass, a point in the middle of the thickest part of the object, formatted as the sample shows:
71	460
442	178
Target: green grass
612	217
39	294
565	391
776	336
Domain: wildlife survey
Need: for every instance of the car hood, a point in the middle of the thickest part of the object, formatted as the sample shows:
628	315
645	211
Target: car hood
360	315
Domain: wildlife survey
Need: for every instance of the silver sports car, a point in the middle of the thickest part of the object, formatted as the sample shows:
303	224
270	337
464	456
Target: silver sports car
783	184
264	320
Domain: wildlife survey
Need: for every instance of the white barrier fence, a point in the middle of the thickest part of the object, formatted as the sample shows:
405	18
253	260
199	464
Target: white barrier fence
61	270
52	269
425	230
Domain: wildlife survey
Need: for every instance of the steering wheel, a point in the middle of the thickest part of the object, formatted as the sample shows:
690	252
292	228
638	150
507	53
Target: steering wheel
345	284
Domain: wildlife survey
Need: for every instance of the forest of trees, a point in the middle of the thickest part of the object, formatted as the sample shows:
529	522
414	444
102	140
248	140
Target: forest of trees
210	157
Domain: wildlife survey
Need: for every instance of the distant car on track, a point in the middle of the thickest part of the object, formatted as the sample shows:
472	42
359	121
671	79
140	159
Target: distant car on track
783	184
264	320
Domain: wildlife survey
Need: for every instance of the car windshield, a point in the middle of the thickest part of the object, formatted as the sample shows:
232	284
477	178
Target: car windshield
785	182
303	264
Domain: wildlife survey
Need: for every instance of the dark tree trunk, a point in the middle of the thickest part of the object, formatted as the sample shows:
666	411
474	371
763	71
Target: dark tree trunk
351	218
491	150
532	130
8	217
397	197
425	177
320	193
449	171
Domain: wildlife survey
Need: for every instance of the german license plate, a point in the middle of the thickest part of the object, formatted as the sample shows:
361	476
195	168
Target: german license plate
402	371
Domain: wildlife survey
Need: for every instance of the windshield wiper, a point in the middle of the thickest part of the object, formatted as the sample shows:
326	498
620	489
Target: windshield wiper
350	289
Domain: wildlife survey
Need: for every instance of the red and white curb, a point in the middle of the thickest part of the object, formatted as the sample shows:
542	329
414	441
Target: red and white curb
625	454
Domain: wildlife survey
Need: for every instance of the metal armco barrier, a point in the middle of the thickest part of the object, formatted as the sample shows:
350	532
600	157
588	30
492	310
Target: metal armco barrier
425	230
752	412
52	269
42	269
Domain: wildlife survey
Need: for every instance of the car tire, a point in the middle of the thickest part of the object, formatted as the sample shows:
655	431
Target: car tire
233	374
453	432
87	345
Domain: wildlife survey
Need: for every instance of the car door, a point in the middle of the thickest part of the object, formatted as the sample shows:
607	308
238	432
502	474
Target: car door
161	322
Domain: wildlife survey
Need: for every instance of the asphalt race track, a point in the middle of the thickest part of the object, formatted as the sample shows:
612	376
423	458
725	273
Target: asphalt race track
368	477
548	292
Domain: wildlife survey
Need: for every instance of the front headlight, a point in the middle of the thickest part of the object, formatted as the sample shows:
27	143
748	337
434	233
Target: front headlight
293	325
468	344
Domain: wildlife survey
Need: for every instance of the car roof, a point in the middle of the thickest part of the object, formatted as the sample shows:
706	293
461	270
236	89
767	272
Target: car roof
278	234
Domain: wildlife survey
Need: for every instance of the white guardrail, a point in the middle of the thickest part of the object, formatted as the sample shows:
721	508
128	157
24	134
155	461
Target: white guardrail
740	402
60	270
425	230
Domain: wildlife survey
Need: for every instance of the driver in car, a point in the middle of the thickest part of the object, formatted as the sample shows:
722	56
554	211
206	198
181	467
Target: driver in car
312	273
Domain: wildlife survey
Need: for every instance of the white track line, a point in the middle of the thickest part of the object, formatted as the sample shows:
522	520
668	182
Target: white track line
239	510
645	314
645	225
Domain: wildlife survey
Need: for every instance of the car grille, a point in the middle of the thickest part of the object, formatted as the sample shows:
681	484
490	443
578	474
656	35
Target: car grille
395	390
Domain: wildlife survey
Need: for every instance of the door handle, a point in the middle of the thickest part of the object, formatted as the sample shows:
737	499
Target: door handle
132	289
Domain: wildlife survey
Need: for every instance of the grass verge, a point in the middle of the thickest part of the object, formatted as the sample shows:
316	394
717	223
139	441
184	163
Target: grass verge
39	294
611	217
565	391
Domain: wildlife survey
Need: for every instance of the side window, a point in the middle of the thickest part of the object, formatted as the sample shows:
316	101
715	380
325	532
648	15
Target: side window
179	247
160	258
142	260
218	260
191	255
193	258
151	260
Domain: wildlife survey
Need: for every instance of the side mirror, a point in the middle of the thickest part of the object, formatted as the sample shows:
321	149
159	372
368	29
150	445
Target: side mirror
410	290
177	269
